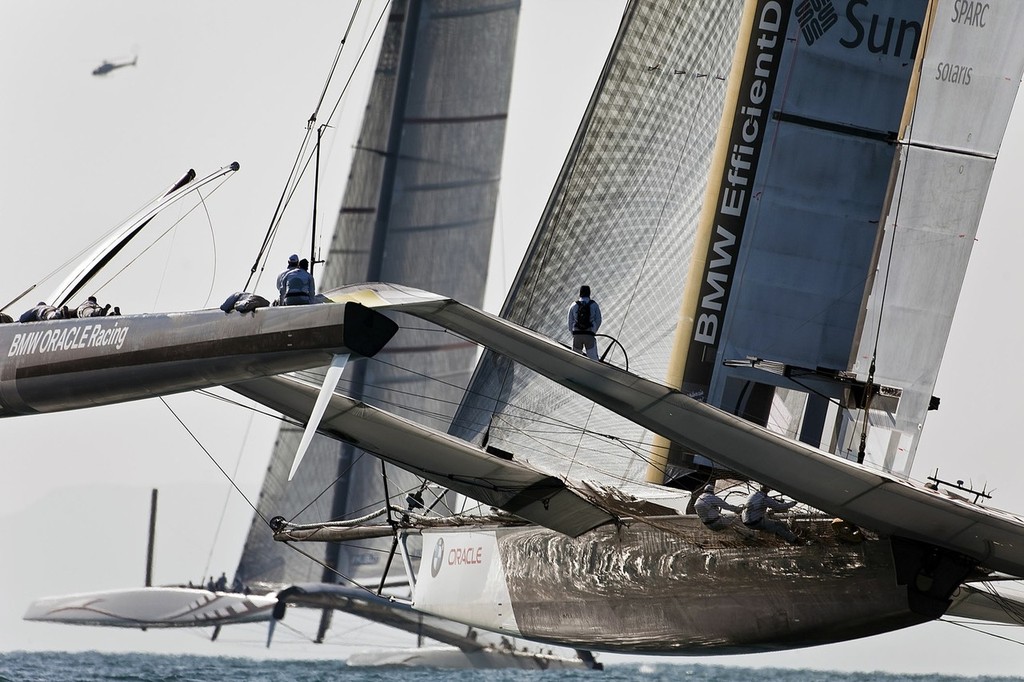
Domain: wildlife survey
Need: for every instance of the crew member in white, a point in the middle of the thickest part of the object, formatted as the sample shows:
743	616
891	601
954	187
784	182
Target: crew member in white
755	514
709	508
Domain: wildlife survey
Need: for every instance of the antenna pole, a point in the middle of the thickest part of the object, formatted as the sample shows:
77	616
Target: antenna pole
316	190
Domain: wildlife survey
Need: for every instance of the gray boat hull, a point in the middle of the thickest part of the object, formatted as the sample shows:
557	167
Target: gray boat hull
669	588
68	364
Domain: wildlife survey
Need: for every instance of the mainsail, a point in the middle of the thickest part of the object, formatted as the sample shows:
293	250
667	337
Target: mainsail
620	219
418	208
774	202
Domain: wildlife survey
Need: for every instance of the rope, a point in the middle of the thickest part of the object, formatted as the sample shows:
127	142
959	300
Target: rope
984	632
215	463
157	240
296	174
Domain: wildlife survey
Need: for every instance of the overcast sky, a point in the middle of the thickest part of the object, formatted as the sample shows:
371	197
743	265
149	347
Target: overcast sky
226	81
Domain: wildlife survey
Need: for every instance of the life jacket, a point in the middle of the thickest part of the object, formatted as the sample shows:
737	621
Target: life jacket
583	316
296	283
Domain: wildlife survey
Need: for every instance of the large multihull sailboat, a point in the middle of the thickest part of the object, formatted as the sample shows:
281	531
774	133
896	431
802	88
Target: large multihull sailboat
814	239
424	178
783	254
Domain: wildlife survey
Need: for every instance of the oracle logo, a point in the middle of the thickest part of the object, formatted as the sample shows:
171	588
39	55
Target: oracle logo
464	556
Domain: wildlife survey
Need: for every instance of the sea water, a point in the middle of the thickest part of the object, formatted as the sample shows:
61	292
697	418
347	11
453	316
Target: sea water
89	666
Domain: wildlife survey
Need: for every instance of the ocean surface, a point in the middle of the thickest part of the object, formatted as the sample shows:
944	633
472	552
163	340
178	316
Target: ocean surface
44	666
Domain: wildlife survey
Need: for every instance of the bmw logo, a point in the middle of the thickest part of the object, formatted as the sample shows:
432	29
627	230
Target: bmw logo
435	562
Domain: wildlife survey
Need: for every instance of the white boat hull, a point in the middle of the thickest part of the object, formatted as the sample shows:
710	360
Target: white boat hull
451	658
153	607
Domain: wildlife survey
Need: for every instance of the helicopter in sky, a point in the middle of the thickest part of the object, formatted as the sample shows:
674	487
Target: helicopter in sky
107	66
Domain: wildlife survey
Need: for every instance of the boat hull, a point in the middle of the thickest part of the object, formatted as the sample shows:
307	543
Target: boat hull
153	607
69	364
451	658
669	588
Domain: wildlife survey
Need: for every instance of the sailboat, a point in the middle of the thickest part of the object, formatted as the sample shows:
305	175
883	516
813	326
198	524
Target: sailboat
816	267
425	172
598	513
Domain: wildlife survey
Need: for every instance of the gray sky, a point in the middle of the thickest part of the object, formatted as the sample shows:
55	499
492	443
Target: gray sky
225	81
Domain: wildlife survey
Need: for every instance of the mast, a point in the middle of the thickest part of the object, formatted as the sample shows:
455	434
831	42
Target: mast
152	539
316	190
418	206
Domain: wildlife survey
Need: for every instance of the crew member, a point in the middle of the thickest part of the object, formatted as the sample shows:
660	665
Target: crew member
755	514
298	286
584	321
709	508
44	311
293	264
90	308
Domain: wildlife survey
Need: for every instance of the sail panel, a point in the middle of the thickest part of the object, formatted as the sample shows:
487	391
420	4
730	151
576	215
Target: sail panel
969	80
969	76
807	250
928	239
801	199
418	209
621	220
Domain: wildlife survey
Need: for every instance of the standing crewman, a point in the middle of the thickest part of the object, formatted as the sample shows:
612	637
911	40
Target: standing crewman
584	321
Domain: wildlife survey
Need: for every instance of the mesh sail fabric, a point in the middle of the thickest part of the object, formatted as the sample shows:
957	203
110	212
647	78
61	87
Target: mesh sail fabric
622	220
856	149
418	210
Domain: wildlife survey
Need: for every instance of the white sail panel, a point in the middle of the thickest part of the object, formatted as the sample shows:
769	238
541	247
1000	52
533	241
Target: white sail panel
968	83
969	76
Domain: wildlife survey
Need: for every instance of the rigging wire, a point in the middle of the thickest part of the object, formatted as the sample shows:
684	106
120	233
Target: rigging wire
213	240
213	247
295	175
77	257
227	496
553	446
904	168
331	569
334	64
157	240
979	630
215	462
